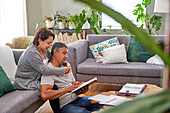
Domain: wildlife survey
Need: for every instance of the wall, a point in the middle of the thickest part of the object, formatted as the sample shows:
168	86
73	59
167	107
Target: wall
37	9
34	13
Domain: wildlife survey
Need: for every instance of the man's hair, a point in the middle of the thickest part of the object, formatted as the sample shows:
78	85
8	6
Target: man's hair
42	34
56	46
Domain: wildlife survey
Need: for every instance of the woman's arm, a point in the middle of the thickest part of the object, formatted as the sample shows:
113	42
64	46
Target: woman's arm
36	61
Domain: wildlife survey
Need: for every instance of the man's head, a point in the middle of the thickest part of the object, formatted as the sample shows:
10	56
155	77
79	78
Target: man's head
59	52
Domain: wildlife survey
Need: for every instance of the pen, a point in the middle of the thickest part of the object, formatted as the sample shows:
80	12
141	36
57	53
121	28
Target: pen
111	100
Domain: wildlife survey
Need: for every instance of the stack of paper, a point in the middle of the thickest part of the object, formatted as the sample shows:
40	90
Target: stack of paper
109	100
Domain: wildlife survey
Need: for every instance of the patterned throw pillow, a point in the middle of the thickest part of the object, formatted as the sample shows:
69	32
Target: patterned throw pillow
137	52
98	48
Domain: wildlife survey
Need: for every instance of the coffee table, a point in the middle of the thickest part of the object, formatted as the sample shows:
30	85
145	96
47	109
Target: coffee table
111	89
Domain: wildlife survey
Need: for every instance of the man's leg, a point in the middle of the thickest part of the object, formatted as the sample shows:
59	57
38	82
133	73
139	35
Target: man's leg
81	105
55	104
88	105
74	107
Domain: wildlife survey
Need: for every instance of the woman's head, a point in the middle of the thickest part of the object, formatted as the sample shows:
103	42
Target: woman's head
43	38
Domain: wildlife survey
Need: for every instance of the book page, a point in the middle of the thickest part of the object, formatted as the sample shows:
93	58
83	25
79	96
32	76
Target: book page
132	88
115	102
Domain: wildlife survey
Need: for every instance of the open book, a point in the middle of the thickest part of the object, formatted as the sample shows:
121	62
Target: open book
131	89
85	84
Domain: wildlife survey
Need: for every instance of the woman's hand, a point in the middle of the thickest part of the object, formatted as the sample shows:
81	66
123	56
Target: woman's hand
67	70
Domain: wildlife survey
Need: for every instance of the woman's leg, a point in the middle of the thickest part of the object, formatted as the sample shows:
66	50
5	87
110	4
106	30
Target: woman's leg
55	104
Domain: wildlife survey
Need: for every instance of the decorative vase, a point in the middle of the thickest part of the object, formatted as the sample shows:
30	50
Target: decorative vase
49	24
71	25
86	25
61	25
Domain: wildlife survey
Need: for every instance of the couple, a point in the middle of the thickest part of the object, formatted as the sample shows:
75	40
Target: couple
34	68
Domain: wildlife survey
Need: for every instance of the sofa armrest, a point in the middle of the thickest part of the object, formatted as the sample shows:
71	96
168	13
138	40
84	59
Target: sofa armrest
17	53
77	53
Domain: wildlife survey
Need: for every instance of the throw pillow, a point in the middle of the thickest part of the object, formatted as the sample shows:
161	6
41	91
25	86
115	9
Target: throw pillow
137	52
115	54
98	48
155	60
5	84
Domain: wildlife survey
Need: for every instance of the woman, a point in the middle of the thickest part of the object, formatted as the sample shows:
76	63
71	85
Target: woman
31	63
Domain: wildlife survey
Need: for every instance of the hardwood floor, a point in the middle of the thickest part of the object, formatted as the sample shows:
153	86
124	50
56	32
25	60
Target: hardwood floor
94	89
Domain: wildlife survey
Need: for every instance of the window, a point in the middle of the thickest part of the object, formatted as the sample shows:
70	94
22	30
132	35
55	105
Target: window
125	7
12	20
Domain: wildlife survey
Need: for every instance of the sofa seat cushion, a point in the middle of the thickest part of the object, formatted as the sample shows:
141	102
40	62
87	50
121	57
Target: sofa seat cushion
17	101
140	69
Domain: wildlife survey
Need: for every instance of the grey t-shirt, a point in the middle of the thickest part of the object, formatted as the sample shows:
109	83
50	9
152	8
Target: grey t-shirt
62	82
31	67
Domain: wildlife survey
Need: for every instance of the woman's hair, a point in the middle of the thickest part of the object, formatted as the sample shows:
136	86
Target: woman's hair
42	34
56	46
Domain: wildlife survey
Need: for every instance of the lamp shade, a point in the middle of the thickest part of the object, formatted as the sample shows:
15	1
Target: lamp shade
161	6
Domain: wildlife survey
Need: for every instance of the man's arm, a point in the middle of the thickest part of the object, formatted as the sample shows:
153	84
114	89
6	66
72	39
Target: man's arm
48	94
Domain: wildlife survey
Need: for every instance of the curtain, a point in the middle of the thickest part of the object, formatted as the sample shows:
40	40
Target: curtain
13	20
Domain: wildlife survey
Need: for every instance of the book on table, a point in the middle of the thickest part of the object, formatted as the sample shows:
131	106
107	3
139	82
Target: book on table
131	89
84	84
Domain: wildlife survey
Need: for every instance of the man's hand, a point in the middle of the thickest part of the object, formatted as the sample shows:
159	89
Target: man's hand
82	90
76	83
74	86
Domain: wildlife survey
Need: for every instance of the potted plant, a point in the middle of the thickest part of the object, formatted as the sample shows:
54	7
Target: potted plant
62	21
47	22
73	20
152	23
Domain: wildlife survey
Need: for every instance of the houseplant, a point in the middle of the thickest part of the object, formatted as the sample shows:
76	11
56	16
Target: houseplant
47	22
153	23
153	104
73	19
62	21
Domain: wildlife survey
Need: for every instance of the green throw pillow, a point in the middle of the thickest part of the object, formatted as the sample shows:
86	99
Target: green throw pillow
137	52
5	83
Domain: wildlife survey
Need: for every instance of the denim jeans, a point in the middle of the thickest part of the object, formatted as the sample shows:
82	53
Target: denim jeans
81	105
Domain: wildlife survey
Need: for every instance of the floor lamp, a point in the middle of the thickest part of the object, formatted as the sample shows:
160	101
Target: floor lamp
162	6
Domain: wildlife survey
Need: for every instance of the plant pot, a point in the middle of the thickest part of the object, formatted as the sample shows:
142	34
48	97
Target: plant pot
49	24
86	25
61	25
71	25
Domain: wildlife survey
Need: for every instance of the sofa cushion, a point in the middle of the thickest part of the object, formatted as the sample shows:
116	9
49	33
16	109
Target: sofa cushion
99	47
140	69
17	101
137	52
5	84
7	62
115	54
94	39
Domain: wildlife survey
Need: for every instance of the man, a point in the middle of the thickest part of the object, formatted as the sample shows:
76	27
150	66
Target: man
69	102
